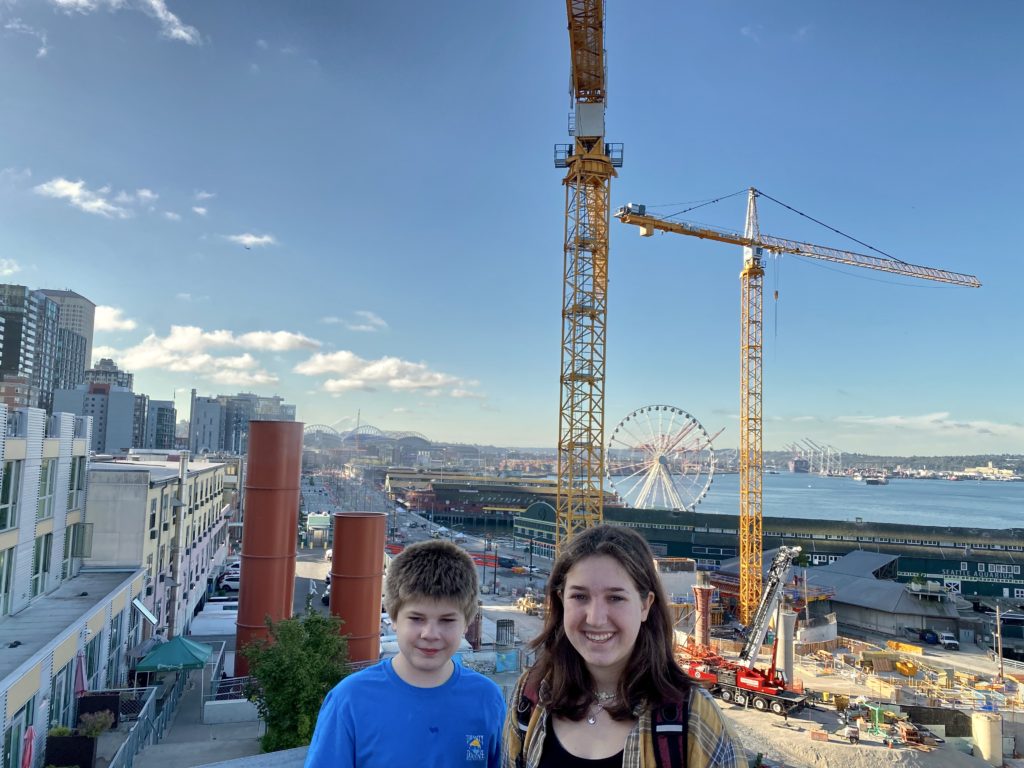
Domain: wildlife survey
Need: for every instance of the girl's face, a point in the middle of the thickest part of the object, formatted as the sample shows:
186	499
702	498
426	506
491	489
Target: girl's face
603	614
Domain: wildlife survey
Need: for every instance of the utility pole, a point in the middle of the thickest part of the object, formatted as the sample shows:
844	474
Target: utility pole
531	561
494	583
999	639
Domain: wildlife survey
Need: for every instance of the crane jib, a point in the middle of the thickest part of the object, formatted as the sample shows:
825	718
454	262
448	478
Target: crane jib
798	248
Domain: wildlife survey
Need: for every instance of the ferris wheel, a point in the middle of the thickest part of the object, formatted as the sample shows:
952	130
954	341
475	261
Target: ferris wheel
660	457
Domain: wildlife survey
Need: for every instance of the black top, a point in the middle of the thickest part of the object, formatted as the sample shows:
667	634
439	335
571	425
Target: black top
556	756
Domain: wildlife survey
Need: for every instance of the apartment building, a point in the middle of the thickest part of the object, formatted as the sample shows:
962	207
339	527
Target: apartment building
169	515
56	610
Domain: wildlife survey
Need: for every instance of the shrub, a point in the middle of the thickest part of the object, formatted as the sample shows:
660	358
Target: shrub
59	730
92	724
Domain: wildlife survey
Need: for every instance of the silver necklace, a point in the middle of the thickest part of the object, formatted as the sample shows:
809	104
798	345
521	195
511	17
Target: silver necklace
603	697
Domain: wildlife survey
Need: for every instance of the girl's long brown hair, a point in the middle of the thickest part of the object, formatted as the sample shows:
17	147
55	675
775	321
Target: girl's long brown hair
651	674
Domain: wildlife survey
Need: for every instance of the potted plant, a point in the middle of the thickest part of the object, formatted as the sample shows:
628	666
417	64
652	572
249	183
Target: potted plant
65	746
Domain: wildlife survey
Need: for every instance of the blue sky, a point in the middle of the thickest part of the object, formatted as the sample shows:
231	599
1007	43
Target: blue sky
353	205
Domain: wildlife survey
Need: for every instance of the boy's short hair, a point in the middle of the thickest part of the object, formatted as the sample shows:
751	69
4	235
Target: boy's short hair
432	570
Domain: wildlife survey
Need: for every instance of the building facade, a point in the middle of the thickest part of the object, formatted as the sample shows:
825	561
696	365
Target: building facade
167	515
70	363
112	409
160	425
221	423
78	315
56	613
107	372
28	359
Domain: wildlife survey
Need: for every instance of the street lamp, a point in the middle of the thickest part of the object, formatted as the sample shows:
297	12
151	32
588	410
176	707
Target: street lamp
530	546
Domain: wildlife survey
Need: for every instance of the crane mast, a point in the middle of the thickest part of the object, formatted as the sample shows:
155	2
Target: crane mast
590	165
751	456
751	278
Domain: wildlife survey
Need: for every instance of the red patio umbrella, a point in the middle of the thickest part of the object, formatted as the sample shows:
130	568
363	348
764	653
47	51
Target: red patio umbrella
26	748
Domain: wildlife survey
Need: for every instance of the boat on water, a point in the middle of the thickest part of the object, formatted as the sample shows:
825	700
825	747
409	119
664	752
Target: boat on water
871	478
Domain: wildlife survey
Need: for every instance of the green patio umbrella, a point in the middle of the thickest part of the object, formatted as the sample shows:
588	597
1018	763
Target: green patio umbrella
179	653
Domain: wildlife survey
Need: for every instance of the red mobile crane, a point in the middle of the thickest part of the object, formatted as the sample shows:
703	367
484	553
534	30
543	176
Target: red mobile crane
741	682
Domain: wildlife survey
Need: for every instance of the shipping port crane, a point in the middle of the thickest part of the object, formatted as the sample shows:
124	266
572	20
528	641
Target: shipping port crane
755	246
590	165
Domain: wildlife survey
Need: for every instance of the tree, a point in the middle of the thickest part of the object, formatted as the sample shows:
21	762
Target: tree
292	673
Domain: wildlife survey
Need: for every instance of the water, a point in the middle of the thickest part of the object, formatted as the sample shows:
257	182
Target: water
968	503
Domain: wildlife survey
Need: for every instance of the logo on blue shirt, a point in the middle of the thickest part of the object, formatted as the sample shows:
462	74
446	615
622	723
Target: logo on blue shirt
475	748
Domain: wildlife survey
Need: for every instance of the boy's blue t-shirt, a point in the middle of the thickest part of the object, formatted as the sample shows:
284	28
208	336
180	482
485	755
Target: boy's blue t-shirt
374	718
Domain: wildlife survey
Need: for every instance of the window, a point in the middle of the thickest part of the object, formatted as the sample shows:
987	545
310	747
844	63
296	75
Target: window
114	657
92	661
963	566
76	488
41	563
6	579
47	484
9	494
61	696
71	534
14	734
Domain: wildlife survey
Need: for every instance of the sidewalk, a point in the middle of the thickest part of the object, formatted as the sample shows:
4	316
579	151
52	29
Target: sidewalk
189	742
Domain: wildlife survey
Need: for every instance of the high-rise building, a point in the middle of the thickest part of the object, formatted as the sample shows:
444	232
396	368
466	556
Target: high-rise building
139	421
160	418
107	372
112	409
28	360
221	423
70	364
77	314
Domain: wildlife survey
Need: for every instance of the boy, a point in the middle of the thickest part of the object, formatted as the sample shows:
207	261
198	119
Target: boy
419	708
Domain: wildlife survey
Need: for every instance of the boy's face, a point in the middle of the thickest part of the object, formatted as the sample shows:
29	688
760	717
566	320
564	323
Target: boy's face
429	633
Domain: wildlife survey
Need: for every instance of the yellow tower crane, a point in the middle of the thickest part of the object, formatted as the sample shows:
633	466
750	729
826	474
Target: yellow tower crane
590	165
754	247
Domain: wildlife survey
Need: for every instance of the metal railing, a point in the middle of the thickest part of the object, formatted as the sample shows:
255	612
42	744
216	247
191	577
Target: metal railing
137	706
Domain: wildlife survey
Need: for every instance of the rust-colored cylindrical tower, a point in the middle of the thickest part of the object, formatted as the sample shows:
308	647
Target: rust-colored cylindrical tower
269	530
702	592
357	580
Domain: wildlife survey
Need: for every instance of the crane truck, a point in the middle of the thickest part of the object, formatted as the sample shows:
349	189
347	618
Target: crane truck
740	681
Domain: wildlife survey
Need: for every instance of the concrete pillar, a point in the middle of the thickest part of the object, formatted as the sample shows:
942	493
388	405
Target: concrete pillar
357	579
987	732
702	592
787	632
269	530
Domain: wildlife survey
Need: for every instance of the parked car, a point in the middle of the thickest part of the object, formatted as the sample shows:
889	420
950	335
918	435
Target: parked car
928	636
948	641
230	583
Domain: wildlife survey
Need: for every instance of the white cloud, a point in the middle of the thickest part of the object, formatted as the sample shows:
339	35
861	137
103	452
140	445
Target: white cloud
368	322
172	216
14	176
262	44
231	378
250	240
81	197
348	372
805	418
753	31
204	195
190	297
187	349
17	25
8	267
112	319
199	210
171	26
146	195
330	320
937	424
459	393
